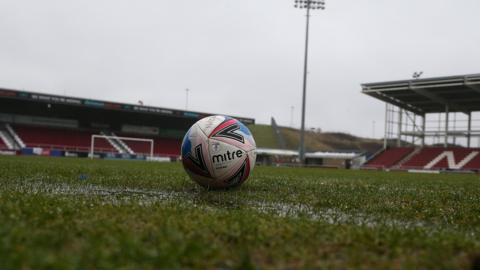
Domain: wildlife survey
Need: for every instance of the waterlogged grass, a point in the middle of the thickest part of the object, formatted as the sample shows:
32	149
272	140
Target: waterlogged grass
74	213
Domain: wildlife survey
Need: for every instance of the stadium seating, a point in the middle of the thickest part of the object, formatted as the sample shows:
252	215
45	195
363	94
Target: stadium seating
169	147
139	147
422	158
162	146
77	140
435	158
474	164
63	139
438	158
389	157
3	146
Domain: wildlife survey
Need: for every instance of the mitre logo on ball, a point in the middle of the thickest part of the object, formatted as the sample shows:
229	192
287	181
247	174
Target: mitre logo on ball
218	152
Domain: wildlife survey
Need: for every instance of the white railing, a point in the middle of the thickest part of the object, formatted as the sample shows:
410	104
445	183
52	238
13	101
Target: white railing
123	144
7	142
107	137
15	136
112	142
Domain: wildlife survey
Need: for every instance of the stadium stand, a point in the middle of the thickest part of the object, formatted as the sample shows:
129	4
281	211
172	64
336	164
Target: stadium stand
425	113
167	146
62	139
140	147
75	140
3	145
120	144
427	158
162	146
422	158
439	158
389	157
35	123
474	164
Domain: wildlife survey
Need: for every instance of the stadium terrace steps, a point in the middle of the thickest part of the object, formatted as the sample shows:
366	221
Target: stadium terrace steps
389	157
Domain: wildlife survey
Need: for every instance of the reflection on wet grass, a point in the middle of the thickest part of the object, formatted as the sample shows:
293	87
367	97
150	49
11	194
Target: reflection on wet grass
71	213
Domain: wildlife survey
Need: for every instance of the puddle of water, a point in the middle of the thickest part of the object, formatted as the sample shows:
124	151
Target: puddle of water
108	195
145	197
332	215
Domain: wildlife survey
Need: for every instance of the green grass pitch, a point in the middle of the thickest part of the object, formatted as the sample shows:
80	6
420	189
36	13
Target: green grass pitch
60	213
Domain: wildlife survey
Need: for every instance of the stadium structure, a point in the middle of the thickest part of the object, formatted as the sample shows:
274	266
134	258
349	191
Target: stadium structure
430	124
52	125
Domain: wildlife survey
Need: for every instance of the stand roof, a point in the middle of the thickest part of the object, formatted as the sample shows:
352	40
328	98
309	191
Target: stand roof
430	95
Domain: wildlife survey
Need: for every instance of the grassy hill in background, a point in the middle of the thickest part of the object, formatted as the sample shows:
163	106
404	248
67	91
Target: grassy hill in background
264	136
314	141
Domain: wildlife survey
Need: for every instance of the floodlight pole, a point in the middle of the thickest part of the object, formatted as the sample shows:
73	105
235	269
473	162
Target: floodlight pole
305	66
307	4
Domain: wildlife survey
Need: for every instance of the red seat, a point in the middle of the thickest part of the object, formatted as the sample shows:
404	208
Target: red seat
425	158
474	164
162	146
170	147
458	153
389	157
3	146
64	139
139	147
422	158
427	155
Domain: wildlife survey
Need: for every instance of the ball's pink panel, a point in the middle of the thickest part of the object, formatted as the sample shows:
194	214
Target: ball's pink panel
232	131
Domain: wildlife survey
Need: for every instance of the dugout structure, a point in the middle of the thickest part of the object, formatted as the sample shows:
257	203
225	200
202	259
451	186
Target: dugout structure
441	111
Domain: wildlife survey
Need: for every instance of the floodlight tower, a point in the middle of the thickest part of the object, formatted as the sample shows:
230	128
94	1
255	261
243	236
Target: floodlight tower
416	75
308	5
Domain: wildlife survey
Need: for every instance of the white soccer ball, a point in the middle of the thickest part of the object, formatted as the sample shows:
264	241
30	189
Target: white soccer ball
218	152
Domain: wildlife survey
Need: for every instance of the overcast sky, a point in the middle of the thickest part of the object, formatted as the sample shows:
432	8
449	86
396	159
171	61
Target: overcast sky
241	58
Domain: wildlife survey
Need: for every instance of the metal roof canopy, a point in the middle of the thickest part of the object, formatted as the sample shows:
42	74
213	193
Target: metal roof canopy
430	95
25	98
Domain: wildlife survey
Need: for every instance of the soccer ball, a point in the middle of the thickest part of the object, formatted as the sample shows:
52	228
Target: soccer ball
218	152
